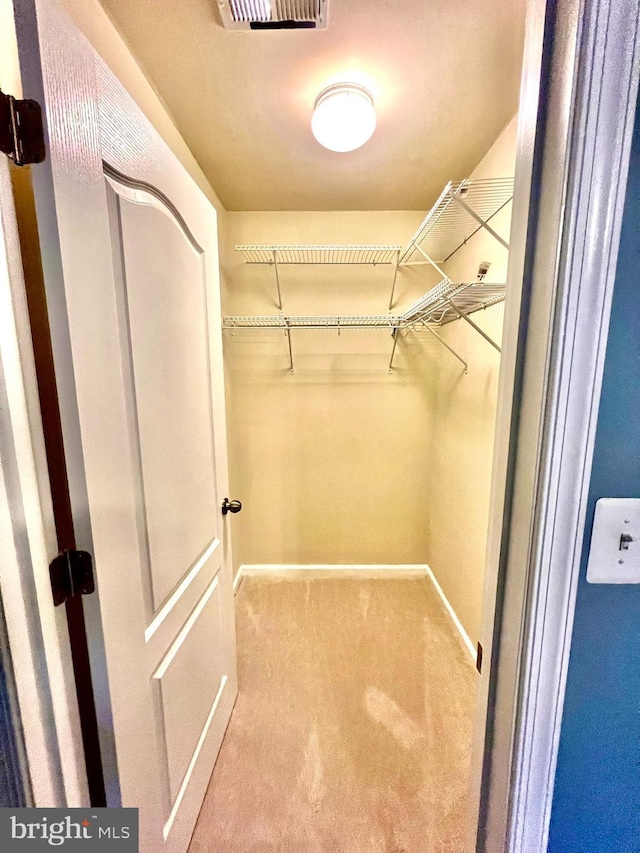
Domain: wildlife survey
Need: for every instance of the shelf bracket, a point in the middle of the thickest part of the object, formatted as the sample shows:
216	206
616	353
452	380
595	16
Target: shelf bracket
288	334
275	266
440	272
483	222
395	276
480	331
445	344
395	332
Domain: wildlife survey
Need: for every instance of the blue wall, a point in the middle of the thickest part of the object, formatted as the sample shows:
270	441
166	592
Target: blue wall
596	806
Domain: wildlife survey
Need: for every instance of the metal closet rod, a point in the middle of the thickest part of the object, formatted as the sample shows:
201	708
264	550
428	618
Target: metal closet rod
437	306
396	328
443	303
373	321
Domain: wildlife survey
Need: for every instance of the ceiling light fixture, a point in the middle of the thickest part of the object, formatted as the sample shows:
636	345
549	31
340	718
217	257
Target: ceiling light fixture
344	117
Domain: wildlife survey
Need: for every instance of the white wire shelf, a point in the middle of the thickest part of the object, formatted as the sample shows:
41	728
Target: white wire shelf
445	302
355	321
449	300
437	307
348	254
462	209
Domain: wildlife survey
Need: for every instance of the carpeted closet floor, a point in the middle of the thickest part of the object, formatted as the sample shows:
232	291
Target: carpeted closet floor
352	729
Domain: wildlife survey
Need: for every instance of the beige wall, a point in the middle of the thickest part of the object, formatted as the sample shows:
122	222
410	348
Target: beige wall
343	462
464	411
328	461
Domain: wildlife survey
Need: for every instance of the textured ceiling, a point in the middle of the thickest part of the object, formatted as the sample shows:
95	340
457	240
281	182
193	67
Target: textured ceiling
445	76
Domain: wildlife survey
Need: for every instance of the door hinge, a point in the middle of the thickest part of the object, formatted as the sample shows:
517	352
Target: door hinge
21	130
71	574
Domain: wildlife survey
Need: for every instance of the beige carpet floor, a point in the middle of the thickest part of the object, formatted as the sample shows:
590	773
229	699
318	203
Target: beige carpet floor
353	724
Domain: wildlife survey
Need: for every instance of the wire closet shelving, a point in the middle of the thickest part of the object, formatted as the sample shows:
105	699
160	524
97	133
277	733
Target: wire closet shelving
462	209
277	256
320	254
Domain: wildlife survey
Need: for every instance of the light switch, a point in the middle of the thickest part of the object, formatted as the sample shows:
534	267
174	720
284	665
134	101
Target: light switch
614	556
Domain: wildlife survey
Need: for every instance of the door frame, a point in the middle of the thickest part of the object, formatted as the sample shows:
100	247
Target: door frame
54	772
568	139
580	85
37	631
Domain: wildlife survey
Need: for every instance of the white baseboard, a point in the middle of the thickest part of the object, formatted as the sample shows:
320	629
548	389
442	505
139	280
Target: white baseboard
465	637
405	570
259	568
410	570
237	578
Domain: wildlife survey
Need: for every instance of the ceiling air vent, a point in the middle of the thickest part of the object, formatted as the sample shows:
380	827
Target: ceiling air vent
273	14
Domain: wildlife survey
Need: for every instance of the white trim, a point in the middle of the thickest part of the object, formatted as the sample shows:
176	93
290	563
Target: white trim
175	596
568	247
454	616
37	630
194	758
374	568
177	644
604	105
522	349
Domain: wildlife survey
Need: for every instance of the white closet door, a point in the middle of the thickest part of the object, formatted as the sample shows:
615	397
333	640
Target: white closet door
131	263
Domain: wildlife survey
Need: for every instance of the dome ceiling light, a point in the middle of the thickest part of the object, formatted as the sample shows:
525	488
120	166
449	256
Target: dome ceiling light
344	117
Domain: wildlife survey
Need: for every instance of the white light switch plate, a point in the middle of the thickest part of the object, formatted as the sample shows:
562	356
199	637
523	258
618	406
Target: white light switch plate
608	563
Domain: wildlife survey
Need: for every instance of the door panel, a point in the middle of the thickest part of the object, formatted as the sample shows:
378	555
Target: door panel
166	323
160	293
189	680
